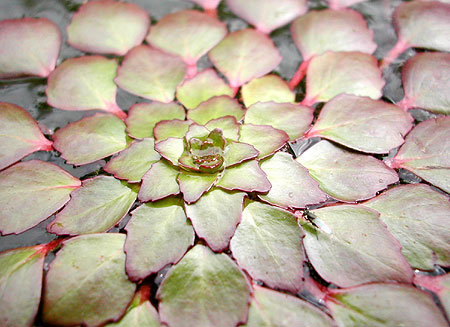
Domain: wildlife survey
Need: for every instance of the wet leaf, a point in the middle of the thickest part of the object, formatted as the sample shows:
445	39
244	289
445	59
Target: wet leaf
267	15
440	285
292	118
90	139
382	305
20	135
150	73
292	187
266	139
28	47
365	252
267	244
159	182
86	283
204	289
244	55
214	108
107	27
157	234
99	204
426	152
345	175
266	89
247	177
84	83
362	124
30	192
228	125
417	216
215	216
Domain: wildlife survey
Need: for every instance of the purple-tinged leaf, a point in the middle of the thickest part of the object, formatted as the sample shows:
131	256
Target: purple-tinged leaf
291	118
86	283
202	87
247	176
174	128
270	308
204	289
151	73
426	152
30	192
216	107
132	163
157	234
171	149
193	184
333	73
244	55
28	47
238	152
362	124
365	252
84	83
292	187
228	125
266	89
440	285
267	15
340	4
426	82
215	216
107	27
189	34
159	182
383	305
344	175
266	139
97	206
267	244
90	139
20	135
417	216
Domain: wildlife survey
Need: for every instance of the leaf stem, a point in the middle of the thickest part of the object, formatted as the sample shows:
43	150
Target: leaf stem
211	12
115	109
191	70
299	74
397	50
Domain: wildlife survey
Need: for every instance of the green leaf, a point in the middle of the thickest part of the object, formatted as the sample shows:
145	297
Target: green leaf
159	182
193	185
171	149
157	234
228	125
247	177
266	139
216	107
204	289
267	244
237	152
171	128
269	88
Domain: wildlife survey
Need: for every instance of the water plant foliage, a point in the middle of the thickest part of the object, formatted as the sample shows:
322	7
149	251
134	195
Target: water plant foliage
176	174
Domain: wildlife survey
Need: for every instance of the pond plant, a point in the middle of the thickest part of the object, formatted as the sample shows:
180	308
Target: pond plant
223	194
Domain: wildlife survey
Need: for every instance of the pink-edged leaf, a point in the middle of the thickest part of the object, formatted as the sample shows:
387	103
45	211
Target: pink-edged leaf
426	82
244	55
267	244
202	87
157	234
440	285
204	289
84	83
196	130
28	47
215	216
292	187
189	34
174	128
171	149
291	118
20	135
193	185
86	283
97	206
271	308
207	4
238	152
266	139
340	4
107	27
143	117
384	304
30	192
90	139
267	15
265	89
150	73
417	216
247	176
332	30
216	107
228	125
365	252
159	182
132	163
345	175
426	152
333	73
362	124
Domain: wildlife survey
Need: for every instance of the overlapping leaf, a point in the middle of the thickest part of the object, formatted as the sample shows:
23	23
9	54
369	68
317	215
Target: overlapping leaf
266	139
440	285
247	177
266	89
159	182
214	108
